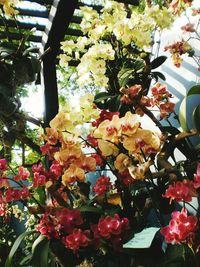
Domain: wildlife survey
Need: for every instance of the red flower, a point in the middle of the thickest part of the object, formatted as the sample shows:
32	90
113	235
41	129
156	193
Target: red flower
76	239
48	226
99	160
92	140
69	219
109	226
23	174
181	191
102	186
189	27
181	228
56	169
3	165
197	177
38	180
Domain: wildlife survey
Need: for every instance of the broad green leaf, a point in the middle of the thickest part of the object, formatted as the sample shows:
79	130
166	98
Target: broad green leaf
158	74
175	256
195	90
158	61
87	208
182	114
41	252
15	247
196	117
37	241
124	75
101	96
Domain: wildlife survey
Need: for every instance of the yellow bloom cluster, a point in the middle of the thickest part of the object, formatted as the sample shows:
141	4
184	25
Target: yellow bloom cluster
126	131
8	6
96	49
71	118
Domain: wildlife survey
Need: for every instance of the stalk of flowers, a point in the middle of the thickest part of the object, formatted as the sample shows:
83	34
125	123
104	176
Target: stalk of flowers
110	36
179	48
182	228
160	99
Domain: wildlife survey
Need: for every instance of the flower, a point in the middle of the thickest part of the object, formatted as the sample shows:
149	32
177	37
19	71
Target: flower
197	177
181	191
76	240
102	186
3	165
181	228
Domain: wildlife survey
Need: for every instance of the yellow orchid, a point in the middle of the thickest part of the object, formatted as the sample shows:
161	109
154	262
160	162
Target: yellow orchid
129	123
62	122
141	139
86	162
68	154
121	162
73	174
51	136
107	148
109	130
8	6
138	172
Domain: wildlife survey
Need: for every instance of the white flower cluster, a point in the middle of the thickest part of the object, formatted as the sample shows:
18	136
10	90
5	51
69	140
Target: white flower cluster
114	21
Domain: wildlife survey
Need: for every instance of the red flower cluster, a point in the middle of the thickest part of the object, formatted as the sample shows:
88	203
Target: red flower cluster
161	99
181	191
69	219
3	165
23	174
55	223
177	49
16	194
102	186
49	226
111	228
181	228
76	239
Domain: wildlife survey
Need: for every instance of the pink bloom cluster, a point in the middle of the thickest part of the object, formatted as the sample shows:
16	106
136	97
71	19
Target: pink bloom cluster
103	185
55	223
181	228
111	228
184	190
161	99
181	191
78	238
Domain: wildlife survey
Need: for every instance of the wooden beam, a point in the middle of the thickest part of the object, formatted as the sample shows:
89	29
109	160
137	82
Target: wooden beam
59	19
41	2
33	13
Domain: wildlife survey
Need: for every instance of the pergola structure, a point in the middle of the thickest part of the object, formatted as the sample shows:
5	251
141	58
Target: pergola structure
57	17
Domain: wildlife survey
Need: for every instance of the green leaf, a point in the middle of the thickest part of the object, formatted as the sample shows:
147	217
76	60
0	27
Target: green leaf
194	90
158	74
40	252
196	117
124	75
15	247
37	241
101	97
158	61
182	114
87	208
175	256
